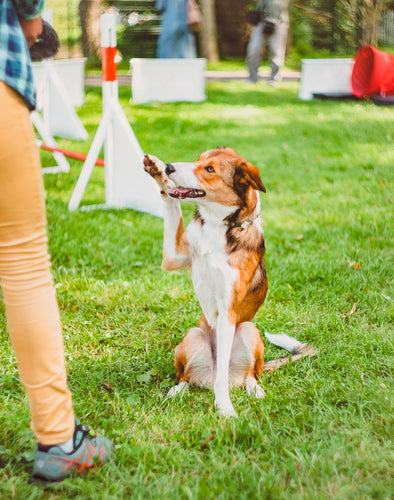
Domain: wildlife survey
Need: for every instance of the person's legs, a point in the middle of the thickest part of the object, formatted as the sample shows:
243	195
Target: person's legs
64	446
186	45
29	295
278	43
253	52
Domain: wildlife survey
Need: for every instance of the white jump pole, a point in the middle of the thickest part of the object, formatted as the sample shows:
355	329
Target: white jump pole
62	163
126	183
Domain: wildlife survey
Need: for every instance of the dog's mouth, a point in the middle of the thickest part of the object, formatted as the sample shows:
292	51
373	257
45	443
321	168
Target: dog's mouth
181	193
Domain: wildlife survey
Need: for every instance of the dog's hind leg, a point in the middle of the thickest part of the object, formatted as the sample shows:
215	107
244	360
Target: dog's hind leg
247	357
253	388
193	361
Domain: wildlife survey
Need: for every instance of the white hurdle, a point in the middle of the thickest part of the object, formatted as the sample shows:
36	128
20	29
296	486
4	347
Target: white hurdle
126	183
58	113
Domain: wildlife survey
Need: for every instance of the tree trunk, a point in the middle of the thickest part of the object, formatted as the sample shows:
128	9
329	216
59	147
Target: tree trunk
208	33
376	9
233	30
89	15
366	15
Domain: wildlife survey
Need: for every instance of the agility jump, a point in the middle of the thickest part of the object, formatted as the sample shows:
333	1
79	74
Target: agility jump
126	183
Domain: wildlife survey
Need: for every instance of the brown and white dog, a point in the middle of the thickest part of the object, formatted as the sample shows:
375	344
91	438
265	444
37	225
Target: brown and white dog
224	246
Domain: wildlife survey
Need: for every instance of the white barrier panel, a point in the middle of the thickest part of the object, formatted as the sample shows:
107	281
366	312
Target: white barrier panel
168	80
55	103
330	77
71	72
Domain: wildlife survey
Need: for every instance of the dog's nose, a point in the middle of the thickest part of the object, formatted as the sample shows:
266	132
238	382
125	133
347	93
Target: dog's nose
170	169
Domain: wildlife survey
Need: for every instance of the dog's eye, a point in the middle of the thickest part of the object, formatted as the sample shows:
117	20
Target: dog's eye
210	169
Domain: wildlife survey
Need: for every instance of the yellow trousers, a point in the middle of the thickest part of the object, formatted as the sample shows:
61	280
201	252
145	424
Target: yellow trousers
29	295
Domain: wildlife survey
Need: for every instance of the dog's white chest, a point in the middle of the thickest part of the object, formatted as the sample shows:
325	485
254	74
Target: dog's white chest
212	276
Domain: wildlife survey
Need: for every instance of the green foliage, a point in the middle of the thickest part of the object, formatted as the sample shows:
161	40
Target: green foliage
67	25
335	26
324	430
138	42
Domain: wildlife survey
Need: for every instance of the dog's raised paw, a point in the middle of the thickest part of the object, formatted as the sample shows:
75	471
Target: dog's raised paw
157	170
150	166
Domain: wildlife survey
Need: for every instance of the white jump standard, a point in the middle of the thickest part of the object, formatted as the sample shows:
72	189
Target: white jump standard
126	183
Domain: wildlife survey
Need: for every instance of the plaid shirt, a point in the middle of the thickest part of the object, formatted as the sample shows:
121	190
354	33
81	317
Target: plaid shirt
15	63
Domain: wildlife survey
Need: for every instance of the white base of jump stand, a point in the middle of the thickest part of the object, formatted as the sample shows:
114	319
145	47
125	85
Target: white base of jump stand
62	163
126	183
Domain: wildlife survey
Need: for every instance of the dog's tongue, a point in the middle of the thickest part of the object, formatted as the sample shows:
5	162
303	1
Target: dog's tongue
183	192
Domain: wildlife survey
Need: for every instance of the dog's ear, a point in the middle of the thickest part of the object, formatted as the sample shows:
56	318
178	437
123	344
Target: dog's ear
255	179
250	175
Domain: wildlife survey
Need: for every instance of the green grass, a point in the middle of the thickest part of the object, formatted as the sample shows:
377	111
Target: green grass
227	65
324	430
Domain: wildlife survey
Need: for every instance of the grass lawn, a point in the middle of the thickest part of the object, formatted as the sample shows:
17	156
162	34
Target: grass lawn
324	430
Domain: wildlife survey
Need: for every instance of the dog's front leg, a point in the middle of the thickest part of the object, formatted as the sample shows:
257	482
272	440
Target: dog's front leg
224	340
175	245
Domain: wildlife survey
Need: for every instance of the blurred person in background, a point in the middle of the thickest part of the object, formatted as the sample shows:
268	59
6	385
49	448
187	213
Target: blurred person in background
272	29
175	39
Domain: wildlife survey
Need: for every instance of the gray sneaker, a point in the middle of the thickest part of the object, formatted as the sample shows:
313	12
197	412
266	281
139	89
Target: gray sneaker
52	464
273	83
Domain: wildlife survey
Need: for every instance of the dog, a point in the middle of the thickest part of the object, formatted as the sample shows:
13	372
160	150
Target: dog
224	247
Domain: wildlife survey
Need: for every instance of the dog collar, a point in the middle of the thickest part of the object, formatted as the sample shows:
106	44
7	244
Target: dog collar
244	224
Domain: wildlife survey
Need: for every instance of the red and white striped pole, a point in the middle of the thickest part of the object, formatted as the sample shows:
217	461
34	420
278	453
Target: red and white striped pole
108	63
108	53
110	96
126	183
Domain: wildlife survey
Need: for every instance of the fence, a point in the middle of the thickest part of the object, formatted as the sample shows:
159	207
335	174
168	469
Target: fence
386	29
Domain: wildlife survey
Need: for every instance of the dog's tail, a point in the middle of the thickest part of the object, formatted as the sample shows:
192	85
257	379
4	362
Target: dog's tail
297	349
